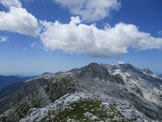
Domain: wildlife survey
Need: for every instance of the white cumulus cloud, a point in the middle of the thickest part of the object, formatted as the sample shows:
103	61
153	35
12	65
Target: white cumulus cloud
90	10
18	19
3	38
8	3
76	37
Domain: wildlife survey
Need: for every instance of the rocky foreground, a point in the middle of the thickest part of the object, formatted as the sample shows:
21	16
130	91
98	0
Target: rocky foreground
94	93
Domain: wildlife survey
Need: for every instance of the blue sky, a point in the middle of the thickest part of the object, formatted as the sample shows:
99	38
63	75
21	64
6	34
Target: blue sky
134	34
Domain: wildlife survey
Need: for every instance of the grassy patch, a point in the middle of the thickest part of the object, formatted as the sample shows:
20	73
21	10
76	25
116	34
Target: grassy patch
77	110
23	109
62	76
35	120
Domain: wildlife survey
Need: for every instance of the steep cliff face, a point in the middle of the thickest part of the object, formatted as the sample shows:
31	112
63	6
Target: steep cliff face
97	71
97	92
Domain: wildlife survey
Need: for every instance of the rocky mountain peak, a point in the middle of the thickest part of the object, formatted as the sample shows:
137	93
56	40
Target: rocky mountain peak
125	67
147	70
94	70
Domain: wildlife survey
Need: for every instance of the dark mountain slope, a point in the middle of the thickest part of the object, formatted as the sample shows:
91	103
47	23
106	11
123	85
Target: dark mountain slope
7	90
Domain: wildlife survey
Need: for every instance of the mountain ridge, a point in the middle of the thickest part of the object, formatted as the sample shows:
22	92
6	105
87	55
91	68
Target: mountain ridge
140	91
